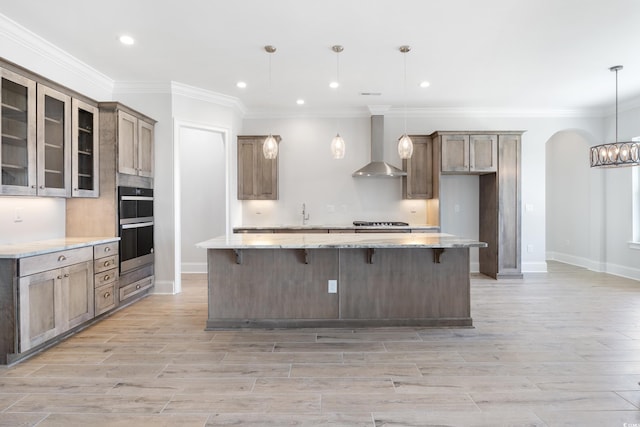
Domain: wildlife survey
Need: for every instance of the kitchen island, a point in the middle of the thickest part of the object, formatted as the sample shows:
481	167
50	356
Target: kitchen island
338	280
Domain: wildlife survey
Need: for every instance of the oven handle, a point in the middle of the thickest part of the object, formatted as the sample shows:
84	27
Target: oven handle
142	198
136	225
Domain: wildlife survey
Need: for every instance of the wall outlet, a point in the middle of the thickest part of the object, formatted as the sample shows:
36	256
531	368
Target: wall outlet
333	287
529	248
17	215
456	208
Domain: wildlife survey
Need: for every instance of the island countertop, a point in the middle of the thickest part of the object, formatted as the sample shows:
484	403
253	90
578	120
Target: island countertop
319	241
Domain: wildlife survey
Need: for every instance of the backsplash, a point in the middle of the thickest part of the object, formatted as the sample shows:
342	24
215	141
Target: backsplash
24	219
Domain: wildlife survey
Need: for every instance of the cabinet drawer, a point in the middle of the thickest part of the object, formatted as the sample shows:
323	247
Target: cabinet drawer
105	249
53	260
105	298
135	288
106	277
104	264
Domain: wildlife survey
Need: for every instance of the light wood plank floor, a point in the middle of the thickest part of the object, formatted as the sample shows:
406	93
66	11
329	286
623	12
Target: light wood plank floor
554	349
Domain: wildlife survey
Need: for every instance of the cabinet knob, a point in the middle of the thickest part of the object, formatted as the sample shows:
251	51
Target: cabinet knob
66	275
107	294
42	187
137	286
107	263
106	277
59	277
62	258
107	249
33	186
75	189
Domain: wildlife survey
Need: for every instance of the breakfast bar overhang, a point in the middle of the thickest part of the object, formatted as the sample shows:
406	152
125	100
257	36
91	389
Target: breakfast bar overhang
338	280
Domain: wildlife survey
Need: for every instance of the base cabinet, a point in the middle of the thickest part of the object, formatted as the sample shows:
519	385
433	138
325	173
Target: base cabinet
54	301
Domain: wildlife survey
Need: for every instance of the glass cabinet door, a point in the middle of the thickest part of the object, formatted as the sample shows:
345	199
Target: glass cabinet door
18	129
84	151
54	136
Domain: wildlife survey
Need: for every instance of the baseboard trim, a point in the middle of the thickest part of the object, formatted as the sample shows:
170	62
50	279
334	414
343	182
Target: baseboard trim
165	287
193	267
609	268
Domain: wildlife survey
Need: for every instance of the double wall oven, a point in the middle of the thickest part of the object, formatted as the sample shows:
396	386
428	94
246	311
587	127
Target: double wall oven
136	227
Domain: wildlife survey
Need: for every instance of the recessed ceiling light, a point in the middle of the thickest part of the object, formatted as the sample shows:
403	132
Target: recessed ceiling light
300	102
128	40
241	85
334	85
425	84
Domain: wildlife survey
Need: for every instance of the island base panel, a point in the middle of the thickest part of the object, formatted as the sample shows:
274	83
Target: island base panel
277	288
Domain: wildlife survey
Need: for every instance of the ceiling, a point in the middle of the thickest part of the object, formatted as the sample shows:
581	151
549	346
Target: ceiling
477	54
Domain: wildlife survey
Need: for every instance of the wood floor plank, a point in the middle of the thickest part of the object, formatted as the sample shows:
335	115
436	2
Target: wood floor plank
553	349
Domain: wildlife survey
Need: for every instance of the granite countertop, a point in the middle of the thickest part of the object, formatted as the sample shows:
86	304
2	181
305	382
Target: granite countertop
21	250
336	227
351	240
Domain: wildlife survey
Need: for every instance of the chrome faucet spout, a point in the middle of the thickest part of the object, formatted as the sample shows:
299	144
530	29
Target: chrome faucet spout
305	215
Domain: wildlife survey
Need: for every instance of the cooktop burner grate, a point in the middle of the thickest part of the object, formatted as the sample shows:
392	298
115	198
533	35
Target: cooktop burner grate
380	224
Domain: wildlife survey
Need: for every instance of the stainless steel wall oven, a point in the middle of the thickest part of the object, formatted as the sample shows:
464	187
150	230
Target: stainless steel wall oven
136	227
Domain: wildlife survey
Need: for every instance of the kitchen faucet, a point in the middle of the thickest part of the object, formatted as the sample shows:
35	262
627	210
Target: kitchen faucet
305	215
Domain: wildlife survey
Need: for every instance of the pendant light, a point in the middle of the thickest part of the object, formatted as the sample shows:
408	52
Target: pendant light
405	145
338	145
270	145
617	153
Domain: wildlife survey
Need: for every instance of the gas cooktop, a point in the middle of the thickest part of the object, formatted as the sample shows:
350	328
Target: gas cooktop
380	224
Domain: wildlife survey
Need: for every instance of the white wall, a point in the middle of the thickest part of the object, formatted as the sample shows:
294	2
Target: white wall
569	211
203	194
308	174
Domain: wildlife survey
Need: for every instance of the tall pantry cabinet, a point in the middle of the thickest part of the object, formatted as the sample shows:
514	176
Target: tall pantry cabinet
126	159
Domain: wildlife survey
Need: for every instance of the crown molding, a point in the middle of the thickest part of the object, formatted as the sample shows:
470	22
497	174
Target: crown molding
16	33
208	96
144	87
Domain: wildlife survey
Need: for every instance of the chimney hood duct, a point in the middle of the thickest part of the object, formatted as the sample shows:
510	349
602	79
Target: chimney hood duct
377	167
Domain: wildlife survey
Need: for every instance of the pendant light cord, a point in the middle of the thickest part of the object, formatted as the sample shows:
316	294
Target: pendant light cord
616	105
404	94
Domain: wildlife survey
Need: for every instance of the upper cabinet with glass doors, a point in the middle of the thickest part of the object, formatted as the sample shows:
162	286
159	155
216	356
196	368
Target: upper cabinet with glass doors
84	150
18	129
54	147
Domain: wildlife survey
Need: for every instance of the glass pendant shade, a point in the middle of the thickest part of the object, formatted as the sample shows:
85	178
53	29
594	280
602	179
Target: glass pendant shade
405	147
270	147
338	147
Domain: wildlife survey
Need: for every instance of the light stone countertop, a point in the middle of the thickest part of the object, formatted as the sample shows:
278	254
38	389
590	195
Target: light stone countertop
21	250
425	227
350	240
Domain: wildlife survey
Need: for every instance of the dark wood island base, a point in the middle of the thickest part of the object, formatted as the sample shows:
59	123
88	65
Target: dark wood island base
280	287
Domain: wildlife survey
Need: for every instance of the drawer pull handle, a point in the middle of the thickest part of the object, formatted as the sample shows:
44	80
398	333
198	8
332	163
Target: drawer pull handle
107	294
62	258
106	277
107	249
107	263
137	286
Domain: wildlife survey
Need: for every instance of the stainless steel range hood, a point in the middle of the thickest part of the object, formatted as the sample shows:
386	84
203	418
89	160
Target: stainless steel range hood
377	167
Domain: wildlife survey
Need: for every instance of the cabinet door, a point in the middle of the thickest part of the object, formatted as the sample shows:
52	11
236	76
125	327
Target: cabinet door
145	149
455	153
54	142
418	184
85	171
257	176
18	130
79	295
40	313
127	143
483	153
